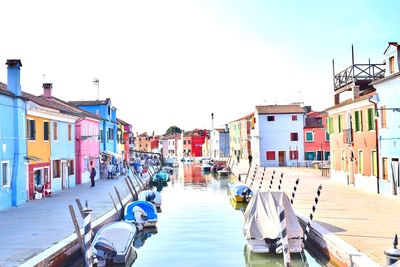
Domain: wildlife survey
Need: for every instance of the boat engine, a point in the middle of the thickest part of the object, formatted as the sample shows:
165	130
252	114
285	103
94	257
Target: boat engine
105	249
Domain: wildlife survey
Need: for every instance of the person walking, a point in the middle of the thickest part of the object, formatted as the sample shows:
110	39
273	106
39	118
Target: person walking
92	176
109	169
250	159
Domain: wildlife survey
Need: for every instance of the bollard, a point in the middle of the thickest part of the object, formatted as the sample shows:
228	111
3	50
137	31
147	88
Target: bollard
393	254
294	191
280	182
262	179
87	235
308	227
283	233
254	173
272	181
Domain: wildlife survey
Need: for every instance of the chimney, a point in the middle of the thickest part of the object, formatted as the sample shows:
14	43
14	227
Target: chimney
47	89
226	128
13	76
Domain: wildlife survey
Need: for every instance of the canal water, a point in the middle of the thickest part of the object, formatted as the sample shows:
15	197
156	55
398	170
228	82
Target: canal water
199	226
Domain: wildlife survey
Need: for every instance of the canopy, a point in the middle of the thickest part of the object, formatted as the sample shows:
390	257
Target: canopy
116	155
262	218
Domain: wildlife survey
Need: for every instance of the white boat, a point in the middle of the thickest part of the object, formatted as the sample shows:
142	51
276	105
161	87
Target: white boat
113	244
262	226
152	197
206	165
171	162
224	172
141	213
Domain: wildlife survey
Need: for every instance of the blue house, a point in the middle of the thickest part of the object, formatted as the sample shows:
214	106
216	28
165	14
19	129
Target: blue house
108	126
219	142
12	139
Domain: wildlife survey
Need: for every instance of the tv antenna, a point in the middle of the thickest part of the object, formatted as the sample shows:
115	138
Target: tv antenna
97	82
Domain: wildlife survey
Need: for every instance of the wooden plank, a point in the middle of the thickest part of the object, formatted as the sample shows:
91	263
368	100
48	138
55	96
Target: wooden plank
129	187
78	202
133	187
77	230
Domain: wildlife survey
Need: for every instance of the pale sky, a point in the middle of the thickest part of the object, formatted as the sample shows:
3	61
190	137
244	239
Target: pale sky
166	63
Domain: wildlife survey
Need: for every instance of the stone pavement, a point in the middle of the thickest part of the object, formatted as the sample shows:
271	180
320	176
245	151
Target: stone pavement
37	225
367	221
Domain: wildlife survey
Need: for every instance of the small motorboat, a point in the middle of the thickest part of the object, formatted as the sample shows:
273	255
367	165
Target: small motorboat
113	244
218	165
168	169
151	196
161	176
142	213
224	172
240	192
262	226
171	162
206	165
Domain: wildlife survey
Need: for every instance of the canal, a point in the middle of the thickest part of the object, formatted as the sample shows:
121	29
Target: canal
199	226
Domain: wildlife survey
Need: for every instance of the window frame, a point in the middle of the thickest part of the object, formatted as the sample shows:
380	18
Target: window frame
8	174
270	155
55	131
312	136
294	117
270	118
48	131
58	169
293	135
31	133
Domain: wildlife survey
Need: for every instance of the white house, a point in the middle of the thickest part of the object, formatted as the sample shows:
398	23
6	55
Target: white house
387	89
219	142
277	137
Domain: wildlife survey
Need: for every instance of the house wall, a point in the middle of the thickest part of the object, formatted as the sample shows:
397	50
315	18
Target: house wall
320	142
234	138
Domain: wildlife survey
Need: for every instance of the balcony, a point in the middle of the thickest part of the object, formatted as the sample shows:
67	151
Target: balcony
88	137
348	136
363	73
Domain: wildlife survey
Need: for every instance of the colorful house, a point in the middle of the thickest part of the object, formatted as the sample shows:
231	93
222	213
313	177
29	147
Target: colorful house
219	142
277	137
12	139
142	142
187	143
316	137
245	138
388	105
126	139
108	126
234	138
352	127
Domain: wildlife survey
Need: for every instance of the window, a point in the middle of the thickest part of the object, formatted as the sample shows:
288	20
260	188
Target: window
340	122
385	168
360	161
358	120
294	117
327	155
371	117
374	164
310	155
329	123
270	118
391	65
184	142
69	132
270	155
294	137
327	136
46	131
55	131
189	142
109	110
70	167
110	134
383	117
101	135
31	129
309	137
294	154
5	174
86	163
56	169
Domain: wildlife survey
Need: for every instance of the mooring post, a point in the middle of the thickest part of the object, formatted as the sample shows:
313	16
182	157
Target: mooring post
133	187
294	190
280	182
112	199
308	227
129	188
252	180
254	173
283	233
77	230
79	204
87	235
272	180
262	180
120	202
393	254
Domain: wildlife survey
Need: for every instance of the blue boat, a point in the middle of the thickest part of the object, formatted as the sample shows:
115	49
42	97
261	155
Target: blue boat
240	192
142	213
162	176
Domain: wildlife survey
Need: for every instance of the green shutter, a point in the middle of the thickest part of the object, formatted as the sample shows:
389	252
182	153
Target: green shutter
357	120
340	121
371	125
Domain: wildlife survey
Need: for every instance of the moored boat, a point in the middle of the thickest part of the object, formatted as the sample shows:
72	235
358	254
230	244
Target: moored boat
262	227
151	196
224	172
113	243
142	213
240	192
206	165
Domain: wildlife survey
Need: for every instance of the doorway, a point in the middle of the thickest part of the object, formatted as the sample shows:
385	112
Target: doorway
64	175
281	156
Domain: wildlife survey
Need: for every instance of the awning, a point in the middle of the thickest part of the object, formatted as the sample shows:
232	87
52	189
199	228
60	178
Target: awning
33	158
111	154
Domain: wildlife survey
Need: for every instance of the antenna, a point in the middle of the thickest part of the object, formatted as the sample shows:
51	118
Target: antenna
44	78
212	121
97	82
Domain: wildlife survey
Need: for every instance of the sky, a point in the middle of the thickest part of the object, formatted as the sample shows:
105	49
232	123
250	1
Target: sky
166	63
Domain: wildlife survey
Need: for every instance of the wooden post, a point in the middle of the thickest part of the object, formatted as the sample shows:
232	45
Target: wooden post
77	230
78	202
133	187
87	224
119	197
129	187
115	206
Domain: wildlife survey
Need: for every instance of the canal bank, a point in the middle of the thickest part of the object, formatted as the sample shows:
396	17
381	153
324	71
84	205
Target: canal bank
351	226
36	232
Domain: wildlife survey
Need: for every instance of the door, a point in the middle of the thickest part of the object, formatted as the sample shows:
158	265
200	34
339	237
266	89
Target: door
281	155
395	176
64	175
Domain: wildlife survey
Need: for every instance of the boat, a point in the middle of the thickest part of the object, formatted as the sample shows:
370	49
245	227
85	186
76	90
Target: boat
161	176
143	235
240	192
224	172
218	165
171	162
151	196
206	165
238	205
262	226
142	213
113	244
168	169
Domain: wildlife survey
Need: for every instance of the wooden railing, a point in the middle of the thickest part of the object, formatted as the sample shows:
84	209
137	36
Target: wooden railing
358	72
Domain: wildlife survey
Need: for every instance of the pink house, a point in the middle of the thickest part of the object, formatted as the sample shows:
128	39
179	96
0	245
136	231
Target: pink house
316	138
87	147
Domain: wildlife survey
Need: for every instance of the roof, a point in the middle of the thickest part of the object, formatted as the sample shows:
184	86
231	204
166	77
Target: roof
392	44
4	91
221	130
60	105
351	101
122	122
143	134
390	77
245	117
280	109
91	102
316	114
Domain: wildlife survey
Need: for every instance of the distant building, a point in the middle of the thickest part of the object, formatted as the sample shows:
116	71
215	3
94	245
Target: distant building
316	137
142	142
234	138
219	142
277	137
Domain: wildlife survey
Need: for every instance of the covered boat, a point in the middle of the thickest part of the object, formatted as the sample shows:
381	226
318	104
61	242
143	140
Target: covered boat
240	192
142	213
224	172
206	165
113	244
262	226
168	169
161	176
151	196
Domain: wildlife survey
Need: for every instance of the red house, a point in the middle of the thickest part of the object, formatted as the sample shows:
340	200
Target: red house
316	138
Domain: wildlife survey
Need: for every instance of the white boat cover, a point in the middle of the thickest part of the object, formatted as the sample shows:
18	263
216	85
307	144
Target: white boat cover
262	218
151	196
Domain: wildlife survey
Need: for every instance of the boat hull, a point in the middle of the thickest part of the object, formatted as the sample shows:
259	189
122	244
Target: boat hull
261	246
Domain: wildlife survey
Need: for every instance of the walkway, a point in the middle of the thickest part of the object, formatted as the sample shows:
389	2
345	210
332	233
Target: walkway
37	225
367	221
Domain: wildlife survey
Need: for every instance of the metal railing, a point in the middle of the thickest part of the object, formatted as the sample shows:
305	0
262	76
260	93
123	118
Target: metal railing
358	72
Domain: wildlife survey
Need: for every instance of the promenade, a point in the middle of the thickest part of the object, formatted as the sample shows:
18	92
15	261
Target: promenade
37	225
364	220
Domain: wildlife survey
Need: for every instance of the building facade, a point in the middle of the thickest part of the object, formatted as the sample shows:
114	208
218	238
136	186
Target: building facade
316	138
219	143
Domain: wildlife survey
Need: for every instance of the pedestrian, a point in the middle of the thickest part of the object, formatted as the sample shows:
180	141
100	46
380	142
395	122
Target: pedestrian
238	158
250	159
92	176
109	169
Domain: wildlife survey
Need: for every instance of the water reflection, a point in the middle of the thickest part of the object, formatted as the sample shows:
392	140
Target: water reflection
199	227
142	236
